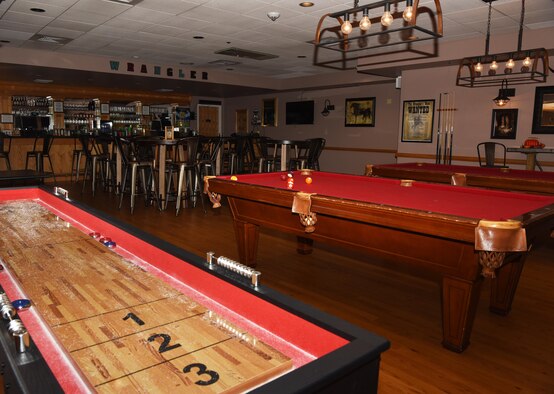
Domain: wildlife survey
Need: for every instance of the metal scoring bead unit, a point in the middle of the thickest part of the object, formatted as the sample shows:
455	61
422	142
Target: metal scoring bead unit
234	266
16	328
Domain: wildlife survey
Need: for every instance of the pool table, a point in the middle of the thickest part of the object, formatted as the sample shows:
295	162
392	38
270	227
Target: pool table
461	233
494	178
326	354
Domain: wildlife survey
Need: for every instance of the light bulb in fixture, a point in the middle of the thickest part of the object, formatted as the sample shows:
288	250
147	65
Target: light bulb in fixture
386	19
510	63
526	65
408	13
346	27
527	62
494	65
365	23
478	67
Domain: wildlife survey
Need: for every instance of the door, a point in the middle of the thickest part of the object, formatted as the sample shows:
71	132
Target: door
209	120
241	121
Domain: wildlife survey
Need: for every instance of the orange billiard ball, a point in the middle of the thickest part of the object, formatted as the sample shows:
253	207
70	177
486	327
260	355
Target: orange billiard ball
234	178
308	180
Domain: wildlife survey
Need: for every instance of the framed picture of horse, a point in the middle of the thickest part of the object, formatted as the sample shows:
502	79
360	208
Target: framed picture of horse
359	112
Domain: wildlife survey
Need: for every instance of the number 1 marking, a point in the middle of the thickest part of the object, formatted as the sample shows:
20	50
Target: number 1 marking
134	318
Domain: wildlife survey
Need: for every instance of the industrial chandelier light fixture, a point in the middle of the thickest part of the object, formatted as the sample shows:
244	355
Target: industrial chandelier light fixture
365	30
516	67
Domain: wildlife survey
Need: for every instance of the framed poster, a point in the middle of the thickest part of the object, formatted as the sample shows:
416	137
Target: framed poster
504	124
359	112
146	110
6	118
543	112
417	121
58	106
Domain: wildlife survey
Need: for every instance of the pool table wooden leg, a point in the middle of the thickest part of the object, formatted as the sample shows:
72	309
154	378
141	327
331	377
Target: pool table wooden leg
459	304
503	287
247	239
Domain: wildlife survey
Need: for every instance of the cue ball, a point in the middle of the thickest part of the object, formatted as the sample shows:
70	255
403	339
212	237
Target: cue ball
234	178
308	180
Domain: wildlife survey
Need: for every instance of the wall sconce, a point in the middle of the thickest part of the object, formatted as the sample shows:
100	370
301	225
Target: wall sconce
504	94
533	69
327	108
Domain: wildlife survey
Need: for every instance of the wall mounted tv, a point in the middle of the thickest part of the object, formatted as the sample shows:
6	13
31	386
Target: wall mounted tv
300	112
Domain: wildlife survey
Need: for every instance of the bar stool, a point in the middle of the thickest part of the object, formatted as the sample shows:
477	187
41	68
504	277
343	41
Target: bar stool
188	185
5	151
39	154
134	165
76	160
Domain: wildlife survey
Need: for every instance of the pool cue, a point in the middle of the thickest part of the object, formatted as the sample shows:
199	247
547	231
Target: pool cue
438	150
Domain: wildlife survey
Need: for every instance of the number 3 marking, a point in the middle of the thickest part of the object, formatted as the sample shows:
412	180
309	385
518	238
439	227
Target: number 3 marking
202	370
164	346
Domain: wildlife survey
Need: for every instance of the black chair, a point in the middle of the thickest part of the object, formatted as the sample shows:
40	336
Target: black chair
491	152
207	156
133	165
78	154
308	156
98	160
39	153
263	161
5	149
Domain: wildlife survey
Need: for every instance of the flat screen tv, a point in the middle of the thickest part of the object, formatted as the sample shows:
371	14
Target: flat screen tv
300	112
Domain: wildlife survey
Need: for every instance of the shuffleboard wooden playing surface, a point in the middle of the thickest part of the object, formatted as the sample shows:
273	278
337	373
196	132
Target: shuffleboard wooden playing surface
124	328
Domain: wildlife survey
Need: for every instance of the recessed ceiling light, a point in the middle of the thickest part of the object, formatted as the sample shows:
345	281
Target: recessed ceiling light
38	10
135	56
306	4
198	37
163	90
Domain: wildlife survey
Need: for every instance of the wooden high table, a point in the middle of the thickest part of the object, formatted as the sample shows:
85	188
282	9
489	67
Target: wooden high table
531	154
462	234
493	178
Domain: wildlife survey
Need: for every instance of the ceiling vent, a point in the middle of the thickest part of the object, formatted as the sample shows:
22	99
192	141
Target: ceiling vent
243	53
50	39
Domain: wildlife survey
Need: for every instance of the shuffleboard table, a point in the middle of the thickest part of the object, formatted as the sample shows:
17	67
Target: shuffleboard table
462	233
89	304
493	178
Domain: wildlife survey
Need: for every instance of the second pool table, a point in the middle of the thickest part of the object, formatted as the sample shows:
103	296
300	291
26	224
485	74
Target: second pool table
461	233
493	178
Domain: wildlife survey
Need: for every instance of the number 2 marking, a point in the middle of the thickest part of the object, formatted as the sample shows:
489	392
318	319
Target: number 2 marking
164	346
134	318
202	370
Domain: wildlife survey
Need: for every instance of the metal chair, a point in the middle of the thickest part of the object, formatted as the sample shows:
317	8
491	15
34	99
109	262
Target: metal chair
488	152
38	154
5	150
188	171
133	165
